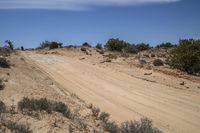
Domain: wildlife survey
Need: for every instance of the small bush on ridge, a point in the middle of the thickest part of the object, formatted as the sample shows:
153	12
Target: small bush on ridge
85	44
50	45
99	46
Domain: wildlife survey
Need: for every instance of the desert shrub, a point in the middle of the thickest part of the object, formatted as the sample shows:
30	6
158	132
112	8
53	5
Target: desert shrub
18	128
85	44
98	46
116	44
10	44
143	126
130	49
165	45
158	62
2	85
104	116
2	107
111	127
186	56
22	48
142	47
95	111
50	45
44	104
4	63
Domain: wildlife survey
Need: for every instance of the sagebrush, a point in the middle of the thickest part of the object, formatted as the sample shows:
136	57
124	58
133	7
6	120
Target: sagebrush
44	104
186	56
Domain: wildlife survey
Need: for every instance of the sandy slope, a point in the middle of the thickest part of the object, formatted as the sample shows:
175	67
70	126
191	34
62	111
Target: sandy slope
125	97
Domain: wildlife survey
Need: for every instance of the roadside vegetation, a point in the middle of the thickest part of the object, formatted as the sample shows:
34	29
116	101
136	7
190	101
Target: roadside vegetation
186	56
123	46
44	104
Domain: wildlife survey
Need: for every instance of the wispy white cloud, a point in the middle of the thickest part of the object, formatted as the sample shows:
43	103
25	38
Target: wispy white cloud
73	4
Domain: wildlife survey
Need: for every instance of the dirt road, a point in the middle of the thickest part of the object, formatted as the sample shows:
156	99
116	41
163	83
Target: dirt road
125	97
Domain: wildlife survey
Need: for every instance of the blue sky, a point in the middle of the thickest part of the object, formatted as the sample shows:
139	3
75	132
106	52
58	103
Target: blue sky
28	22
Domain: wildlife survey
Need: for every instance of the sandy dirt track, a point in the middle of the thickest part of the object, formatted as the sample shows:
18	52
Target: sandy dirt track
125	97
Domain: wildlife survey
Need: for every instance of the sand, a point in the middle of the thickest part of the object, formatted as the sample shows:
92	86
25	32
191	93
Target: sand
125	92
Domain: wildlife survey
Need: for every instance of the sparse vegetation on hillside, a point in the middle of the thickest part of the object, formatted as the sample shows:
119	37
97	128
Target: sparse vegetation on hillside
165	45
130	49
10	44
85	44
4	63
186	56
125	47
99	46
18	128
143	126
104	116
50	45
44	104
142	46
116	44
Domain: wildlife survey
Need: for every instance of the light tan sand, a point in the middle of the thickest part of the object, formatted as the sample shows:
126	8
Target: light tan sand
126	97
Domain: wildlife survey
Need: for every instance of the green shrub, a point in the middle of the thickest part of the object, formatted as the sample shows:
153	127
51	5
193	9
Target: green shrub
111	127
10	44
165	45
85	44
142	47
99	46
104	116
2	107
95	111
143	126
50	45
186	56
44	104
18	128
158	62
116	45
130	49
4	63
22	48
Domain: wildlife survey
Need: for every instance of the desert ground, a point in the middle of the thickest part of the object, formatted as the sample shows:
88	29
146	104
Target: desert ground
120	87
